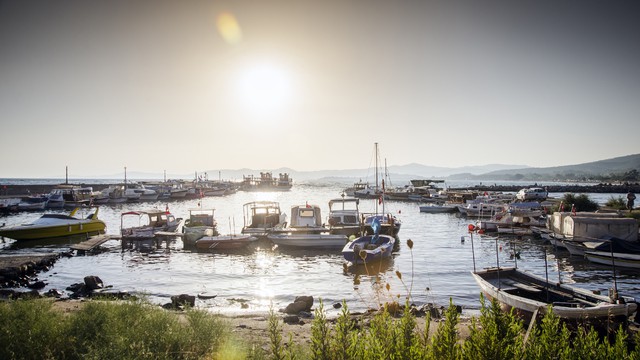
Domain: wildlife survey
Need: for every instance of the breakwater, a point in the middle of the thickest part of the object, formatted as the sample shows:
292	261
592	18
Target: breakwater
21	190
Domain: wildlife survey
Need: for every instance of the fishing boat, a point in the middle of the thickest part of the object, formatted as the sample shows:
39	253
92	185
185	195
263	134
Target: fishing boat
149	223
528	293
201	222
262	217
344	216
623	260
54	226
369	248
306	230
224	242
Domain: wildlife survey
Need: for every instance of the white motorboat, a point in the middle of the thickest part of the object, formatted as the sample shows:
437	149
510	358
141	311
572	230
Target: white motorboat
436	208
201	222
262	217
149	223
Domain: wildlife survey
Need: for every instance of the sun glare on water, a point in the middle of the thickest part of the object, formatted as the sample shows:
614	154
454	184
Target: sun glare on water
264	89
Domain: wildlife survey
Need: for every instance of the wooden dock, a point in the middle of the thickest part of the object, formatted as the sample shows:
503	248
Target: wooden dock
92	243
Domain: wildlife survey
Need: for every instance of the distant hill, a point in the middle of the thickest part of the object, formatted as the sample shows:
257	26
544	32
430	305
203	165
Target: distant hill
401	174
608	167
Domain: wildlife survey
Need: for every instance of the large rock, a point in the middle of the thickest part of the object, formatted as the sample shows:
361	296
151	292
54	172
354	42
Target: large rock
183	299
93	282
301	303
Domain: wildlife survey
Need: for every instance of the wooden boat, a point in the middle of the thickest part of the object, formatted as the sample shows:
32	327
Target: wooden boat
224	242
625	260
368	248
54	226
527	293
33	203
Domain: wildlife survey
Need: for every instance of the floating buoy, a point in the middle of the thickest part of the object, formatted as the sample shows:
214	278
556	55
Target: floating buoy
481	231
462	239
471	227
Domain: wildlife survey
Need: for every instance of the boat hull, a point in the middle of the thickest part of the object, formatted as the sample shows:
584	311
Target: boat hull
309	240
224	242
35	232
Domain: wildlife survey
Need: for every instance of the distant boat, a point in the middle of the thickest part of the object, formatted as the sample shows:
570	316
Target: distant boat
435	208
54	226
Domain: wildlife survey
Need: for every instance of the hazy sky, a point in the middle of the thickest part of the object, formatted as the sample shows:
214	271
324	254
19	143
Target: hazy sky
188	86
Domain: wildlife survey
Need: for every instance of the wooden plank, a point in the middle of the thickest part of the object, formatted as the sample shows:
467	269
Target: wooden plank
92	243
168	233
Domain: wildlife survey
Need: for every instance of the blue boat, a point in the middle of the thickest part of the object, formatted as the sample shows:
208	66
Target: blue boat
369	248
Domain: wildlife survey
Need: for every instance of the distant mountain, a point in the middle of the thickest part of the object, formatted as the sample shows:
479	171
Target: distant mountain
618	165
401	174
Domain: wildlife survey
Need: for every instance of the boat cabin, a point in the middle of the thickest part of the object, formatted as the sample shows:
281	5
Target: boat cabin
306	216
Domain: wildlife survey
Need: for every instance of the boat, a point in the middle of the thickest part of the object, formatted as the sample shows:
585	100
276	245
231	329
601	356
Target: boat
624	260
8	205
369	248
309	240
344	216
304	219
201	222
528	293
149	223
55	199
224	242
389	224
33	203
56	225
435	208
262	217
267	182
613	251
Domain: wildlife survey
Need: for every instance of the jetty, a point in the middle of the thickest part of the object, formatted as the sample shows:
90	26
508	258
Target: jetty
92	242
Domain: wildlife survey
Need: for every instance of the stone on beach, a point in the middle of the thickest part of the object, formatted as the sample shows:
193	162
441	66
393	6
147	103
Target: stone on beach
301	303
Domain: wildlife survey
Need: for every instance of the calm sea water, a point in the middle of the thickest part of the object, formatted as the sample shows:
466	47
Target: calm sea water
435	270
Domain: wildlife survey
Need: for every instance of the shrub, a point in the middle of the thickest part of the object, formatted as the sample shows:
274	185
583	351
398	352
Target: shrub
618	203
582	202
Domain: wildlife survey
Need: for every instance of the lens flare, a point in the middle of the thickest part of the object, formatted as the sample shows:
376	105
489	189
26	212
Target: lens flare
229	28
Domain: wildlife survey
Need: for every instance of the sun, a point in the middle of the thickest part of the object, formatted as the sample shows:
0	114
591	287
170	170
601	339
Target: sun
264	88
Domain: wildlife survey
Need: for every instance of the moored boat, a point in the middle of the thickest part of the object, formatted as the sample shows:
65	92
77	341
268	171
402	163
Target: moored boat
224	242
262	217
149	223
368	248
54	226
344	216
201	222
309	240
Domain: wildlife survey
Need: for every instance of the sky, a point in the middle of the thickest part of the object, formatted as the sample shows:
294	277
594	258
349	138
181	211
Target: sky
187	86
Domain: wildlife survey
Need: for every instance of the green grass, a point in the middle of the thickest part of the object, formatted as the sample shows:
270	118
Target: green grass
32	329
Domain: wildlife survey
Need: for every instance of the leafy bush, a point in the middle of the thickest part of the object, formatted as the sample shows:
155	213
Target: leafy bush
582	202
618	203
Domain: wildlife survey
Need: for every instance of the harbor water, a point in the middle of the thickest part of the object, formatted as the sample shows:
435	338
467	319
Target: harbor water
435	270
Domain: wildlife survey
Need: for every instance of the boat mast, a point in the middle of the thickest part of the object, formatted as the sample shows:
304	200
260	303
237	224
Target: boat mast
66	175
376	171
125	178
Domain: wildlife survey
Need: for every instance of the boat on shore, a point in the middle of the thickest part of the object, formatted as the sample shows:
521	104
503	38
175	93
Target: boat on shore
528	294
56	226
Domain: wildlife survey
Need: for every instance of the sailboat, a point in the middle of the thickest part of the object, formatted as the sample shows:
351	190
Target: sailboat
389	223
